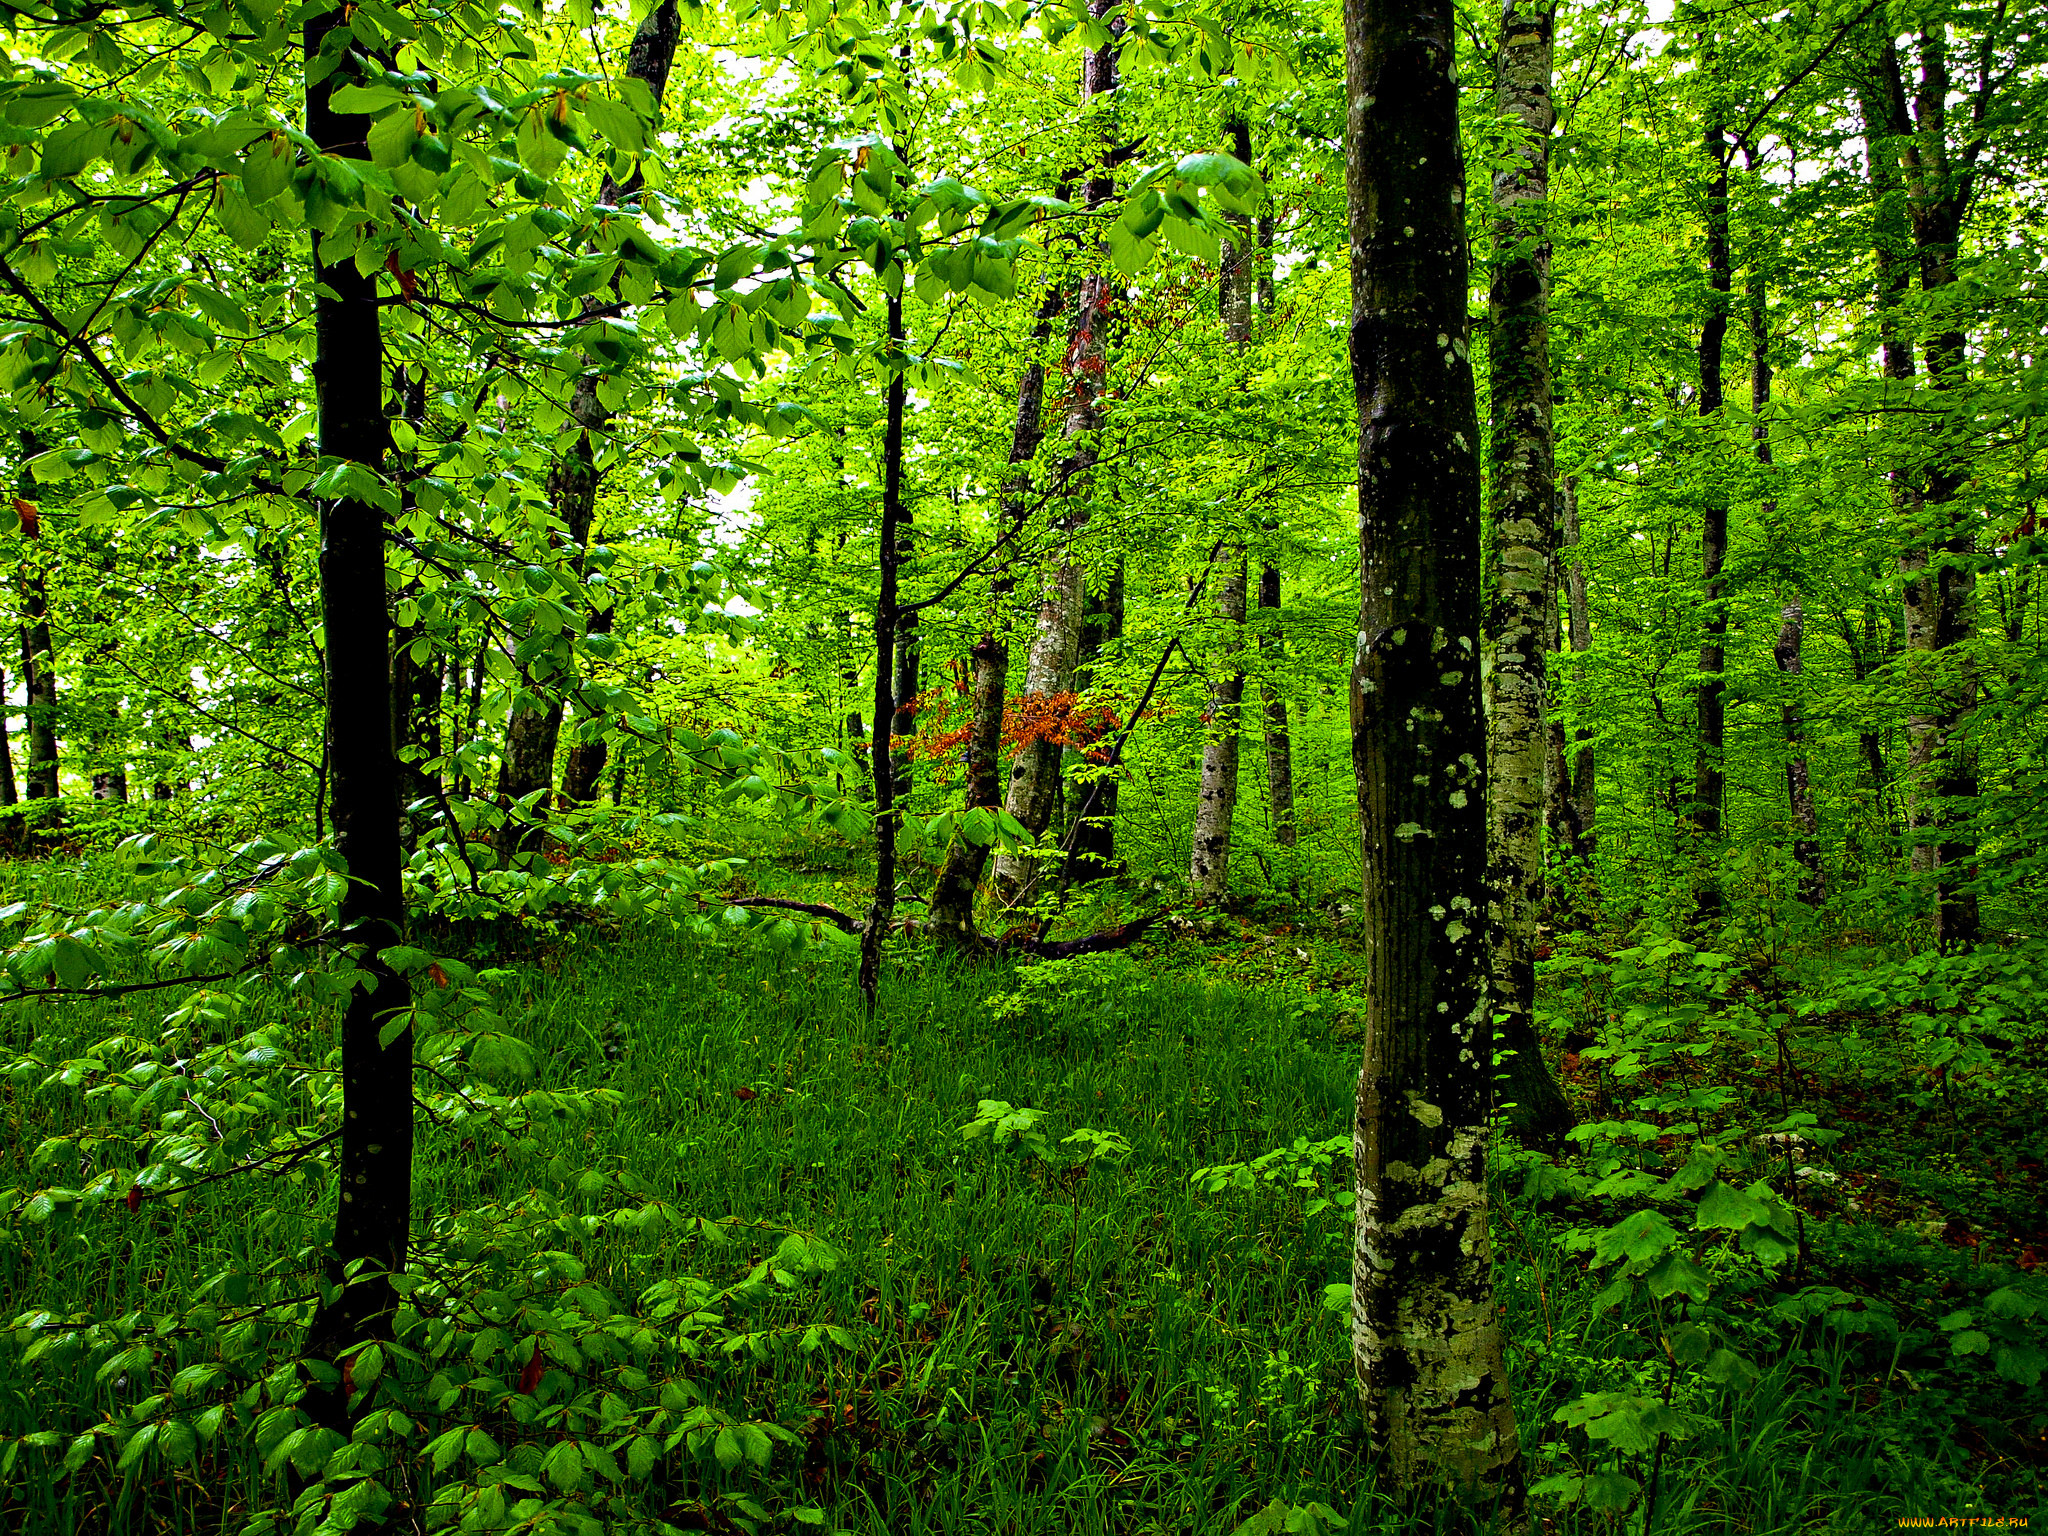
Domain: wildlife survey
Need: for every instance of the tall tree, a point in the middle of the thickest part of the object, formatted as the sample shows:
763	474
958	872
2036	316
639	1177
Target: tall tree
1522	537
889	615
373	1174
534	731
1710	691
38	677
1575	785
11	828
1034	784
1426	1336
1216	802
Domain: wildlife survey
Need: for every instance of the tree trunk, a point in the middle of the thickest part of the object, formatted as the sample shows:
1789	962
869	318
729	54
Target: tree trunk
39	684
1209	867
1091	845
533	735
888	619
373	1214
11	829
951	912
583	771
415	682
1279	745
1055	646
1798	784
1789	653
1940	579
1521	604
1577	784
1710	693
1426	1335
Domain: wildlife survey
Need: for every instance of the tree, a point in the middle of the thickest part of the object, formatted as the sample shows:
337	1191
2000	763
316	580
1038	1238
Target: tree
1520	607
1426	1338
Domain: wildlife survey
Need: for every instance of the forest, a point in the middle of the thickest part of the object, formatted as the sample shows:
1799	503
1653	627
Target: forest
1023	767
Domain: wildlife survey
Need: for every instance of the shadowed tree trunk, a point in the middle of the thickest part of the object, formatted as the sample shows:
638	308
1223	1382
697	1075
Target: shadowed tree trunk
373	1175
1091	846
888	621
533	734
1710	692
1789	652
951	911
1521	604
1575	792
1425	1332
1910	154
1034	784
11	829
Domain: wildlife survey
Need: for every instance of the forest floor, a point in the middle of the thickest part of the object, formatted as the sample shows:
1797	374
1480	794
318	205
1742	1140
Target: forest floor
1076	1336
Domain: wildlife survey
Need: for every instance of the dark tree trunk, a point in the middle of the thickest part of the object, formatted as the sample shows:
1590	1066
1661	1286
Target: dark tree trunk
1426	1334
1710	693
1091	848
583	771
888	619
1939	570
533	735
373	1213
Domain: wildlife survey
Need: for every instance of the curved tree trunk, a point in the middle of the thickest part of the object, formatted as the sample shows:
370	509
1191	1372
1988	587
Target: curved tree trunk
373	1175
1425	1331
1521	604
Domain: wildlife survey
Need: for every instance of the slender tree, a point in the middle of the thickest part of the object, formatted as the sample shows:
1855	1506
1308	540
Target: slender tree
888	624
1426	1336
1575	786
373	1174
10	823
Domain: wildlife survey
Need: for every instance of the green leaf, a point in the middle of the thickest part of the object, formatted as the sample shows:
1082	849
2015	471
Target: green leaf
393	136
1727	1208
727	1449
267	167
70	150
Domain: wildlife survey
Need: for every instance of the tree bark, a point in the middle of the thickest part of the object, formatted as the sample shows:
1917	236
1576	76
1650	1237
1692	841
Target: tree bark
1055	646
1279	744
1789	653
1091	845
373	1213
1209	864
1577	790
951	911
1521	603
533	735
1710	692
1426	1335
11	829
888	619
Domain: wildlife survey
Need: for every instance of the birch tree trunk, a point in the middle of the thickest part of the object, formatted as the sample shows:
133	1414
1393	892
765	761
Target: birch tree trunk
1055	645
888	623
373	1175
1426	1337
1209	867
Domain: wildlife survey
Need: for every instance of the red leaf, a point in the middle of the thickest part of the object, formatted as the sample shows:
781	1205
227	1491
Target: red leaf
745	1093
31	519
529	1378
440	976
134	1198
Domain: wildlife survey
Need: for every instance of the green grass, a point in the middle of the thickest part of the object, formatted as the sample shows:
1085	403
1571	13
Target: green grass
1037	1351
